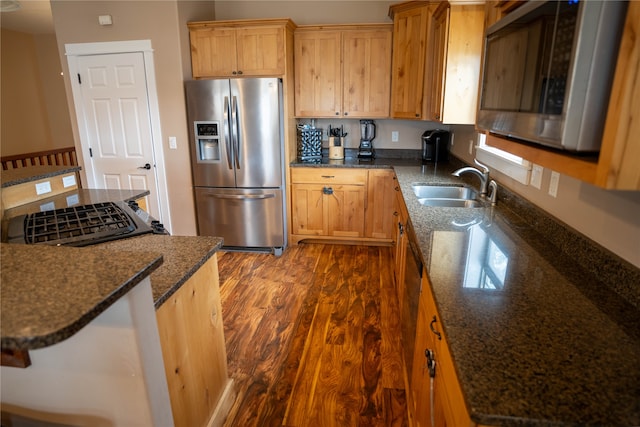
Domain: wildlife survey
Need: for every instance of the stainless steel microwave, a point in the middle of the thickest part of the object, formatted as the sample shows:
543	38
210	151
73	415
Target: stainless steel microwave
548	70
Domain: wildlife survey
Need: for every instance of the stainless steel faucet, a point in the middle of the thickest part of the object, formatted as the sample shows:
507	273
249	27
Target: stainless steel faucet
482	174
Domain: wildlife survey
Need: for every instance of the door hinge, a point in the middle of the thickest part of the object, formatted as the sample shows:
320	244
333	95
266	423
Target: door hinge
90	152
79	79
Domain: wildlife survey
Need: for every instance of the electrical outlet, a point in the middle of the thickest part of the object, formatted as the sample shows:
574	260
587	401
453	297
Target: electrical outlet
173	143
471	146
536	176
43	188
394	136
553	184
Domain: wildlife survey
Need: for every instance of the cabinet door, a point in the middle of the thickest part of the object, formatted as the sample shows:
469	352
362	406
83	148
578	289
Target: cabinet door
380	204
407	73
438	49
455	48
308	210
213	52
260	51
345	210
193	347
366	73
318	82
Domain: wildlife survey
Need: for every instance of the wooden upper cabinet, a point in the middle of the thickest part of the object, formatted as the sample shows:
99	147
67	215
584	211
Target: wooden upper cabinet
342	71
410	20
318	81
619	163
238	48
453	62
366	73
260	51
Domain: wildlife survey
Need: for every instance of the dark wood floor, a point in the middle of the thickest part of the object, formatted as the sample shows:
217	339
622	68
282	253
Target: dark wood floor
313	337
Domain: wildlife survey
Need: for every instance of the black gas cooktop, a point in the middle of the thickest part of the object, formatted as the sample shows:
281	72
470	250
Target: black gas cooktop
81	225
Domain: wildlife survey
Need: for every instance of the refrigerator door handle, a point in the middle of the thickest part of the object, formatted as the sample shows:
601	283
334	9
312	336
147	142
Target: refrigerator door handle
227	141
242	196
236	129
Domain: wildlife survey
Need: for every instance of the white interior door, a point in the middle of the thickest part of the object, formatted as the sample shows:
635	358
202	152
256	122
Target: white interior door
117	124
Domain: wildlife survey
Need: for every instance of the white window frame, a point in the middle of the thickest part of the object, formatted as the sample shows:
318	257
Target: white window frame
513	166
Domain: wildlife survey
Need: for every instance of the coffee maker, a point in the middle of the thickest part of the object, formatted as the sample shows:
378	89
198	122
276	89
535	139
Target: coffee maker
367	134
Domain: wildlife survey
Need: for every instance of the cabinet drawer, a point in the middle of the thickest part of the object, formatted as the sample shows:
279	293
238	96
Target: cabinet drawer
329	176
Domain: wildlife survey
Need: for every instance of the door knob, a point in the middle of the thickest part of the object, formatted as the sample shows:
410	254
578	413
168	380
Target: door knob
147	166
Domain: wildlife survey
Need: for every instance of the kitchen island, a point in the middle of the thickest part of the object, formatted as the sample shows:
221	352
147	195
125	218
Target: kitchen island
542	325
132	319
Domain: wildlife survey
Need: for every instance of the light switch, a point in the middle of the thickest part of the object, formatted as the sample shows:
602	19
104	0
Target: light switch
105	20
553	184
536	176
173	144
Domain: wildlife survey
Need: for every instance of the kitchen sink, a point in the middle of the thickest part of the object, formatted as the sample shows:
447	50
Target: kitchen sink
449	196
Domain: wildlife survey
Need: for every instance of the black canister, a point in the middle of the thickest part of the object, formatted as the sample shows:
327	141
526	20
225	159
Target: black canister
435	146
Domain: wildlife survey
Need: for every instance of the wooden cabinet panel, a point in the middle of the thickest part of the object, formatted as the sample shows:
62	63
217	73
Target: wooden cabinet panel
328	210
308	210
193	347
381	197
318	82
213	52
345	210
260	51
238	48
410	21
438	48
342	71
455	47
343	204
366	73
448	407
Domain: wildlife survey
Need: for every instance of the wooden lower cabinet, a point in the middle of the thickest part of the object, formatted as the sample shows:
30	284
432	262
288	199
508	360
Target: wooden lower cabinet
381	200
328	210
400	218
343	204
439	398
194	352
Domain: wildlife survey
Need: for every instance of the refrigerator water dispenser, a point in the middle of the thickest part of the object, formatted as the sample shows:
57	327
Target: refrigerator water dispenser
208	141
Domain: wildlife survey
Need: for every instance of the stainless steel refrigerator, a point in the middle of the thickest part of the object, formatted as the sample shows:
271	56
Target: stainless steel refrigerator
236	136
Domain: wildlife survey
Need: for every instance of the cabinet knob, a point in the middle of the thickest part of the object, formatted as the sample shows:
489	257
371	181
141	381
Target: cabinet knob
337	113
346	113
240	72
417	115
234	72
327	190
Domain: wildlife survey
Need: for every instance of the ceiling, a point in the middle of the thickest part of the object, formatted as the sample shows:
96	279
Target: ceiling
33	17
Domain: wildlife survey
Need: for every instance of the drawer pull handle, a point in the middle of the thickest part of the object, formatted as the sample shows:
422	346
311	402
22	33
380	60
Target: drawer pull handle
328	176
438	334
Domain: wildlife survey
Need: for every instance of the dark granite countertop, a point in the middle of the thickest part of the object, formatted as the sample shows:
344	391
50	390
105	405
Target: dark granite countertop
183	256
34	173
49	293
537	339
37	295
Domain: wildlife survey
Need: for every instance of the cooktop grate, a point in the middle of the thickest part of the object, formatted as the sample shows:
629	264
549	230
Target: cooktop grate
77	223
